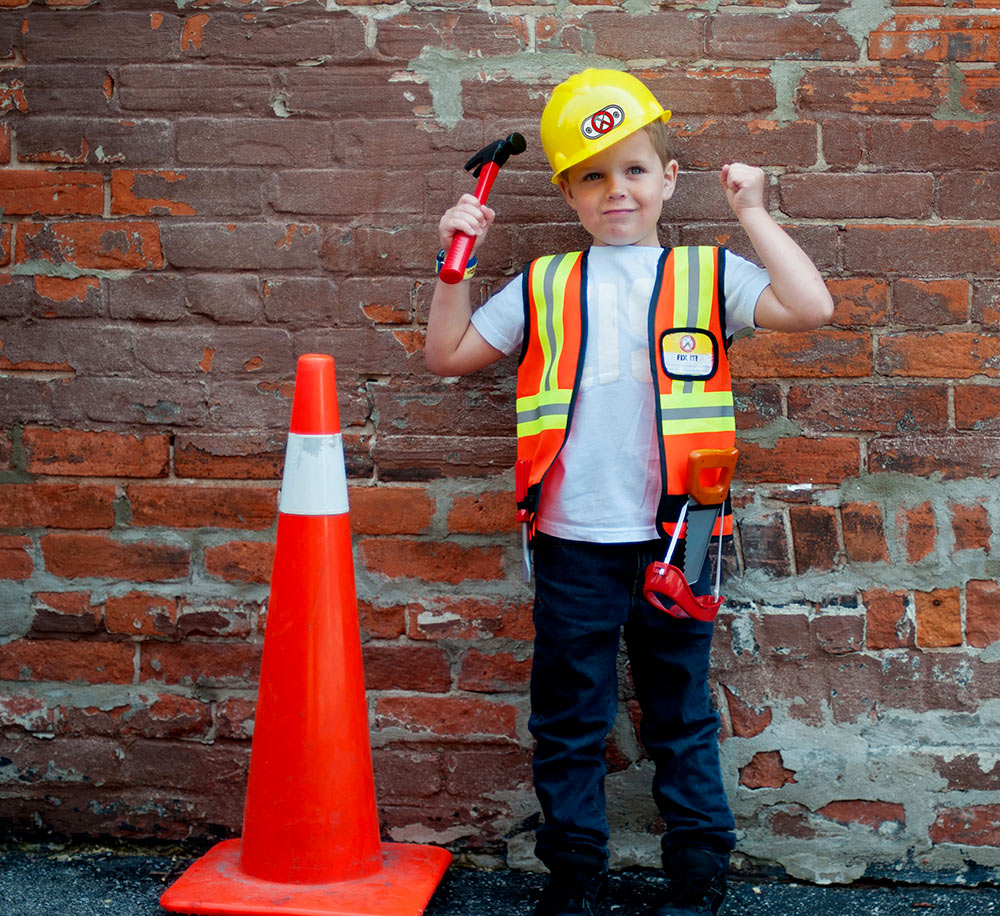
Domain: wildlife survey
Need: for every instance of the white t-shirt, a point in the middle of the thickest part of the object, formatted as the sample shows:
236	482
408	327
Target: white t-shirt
605	485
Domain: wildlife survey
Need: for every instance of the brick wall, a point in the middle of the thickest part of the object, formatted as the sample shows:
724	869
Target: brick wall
193	194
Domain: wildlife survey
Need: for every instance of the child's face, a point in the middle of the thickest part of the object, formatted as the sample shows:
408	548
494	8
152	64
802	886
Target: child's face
618	193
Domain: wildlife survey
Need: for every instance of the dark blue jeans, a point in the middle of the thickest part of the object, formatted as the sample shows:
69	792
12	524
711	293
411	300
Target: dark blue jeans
584	595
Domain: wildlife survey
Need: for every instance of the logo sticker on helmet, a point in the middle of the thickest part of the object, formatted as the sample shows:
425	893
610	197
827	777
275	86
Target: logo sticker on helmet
600	122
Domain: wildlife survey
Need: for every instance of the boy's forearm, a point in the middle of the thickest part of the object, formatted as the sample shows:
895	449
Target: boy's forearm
795	281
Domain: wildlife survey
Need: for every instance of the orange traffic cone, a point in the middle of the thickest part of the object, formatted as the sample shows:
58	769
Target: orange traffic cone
310	843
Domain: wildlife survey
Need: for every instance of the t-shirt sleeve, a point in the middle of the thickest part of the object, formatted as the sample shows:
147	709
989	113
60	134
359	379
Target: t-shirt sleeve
743	284
500	321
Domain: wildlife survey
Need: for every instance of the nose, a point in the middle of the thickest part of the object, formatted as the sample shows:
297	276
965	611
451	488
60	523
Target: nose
615	187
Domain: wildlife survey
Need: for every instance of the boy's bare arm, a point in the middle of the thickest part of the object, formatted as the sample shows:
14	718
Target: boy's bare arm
453	345
797	299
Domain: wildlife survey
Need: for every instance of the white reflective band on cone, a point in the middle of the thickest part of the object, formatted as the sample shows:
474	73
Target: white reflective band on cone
314	480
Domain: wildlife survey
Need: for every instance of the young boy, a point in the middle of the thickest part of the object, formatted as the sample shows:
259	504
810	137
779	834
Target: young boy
607	414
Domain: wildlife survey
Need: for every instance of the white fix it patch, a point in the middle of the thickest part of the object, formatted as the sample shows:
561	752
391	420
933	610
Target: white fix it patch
688	354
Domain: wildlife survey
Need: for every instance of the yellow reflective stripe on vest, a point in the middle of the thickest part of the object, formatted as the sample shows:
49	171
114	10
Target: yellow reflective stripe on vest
697	412
545	410
549	278
694	276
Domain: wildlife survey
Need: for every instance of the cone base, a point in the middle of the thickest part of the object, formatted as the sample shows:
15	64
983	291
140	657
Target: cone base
215	886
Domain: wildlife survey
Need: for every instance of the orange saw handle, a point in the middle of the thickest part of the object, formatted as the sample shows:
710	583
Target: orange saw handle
705	461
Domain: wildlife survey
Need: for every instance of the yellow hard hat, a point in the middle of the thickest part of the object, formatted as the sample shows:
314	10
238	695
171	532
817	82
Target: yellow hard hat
591	110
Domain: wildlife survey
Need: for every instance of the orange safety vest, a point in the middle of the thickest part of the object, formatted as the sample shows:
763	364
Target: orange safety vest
690	367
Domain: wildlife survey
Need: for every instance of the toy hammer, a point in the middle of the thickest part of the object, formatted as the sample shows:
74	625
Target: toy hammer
486	164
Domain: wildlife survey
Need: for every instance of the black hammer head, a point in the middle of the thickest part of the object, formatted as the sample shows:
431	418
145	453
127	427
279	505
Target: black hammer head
498	152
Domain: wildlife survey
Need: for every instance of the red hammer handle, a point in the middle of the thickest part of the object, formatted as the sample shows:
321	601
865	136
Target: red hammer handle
453	269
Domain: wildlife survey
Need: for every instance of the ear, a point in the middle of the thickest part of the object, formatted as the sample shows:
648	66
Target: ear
567	192
670	178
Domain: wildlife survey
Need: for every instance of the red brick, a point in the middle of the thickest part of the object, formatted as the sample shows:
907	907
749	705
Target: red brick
253	141
968	772
242	245
874	814
407	773
66	613
15	560
57	505
939	355
813	354
954	250
234	718
4	144
382	622
499	672
766	36
764	543
745	91
977	407
939	618
986	303
864	539
241	561
937	38
24	192
712	142
141	614
801	460
757	404
27	712
92	245
84	556
188	766
57	297
887	625
766	771
876	407
446	716
971	526
212	617
67	661
830	195
746	722
982	612
814	537
390	510
975	825
839	634
463	408
189	506
952	457
478	772
885	90
242	456
431	561
930	303
79	453
484	512
932	145
967	195
470	618
424	669
230	664
918	530
126	202
151	716
787	635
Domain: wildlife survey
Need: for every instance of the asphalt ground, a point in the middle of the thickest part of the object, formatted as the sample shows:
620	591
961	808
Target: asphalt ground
69	882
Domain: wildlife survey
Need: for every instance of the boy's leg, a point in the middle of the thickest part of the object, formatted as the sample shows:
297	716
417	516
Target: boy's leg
670	662
574	694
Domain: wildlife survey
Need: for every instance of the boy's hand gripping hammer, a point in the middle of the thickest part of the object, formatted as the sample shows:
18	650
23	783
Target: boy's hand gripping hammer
484	166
